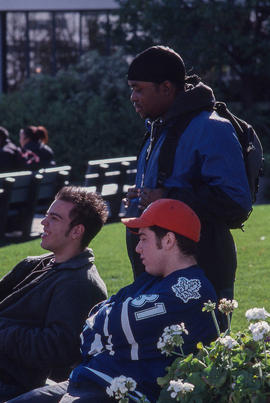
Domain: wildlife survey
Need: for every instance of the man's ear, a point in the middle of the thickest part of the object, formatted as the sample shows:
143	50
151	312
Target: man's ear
77	231
169	240
168	88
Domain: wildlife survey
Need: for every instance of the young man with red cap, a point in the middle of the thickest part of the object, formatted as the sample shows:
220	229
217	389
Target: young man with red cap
190	154
122	333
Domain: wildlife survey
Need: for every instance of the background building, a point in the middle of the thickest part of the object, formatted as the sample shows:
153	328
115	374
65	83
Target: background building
43	36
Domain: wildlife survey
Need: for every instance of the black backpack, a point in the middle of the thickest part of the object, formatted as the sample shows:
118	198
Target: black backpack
251	146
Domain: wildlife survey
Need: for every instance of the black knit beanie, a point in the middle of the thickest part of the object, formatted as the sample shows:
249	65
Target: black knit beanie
157	64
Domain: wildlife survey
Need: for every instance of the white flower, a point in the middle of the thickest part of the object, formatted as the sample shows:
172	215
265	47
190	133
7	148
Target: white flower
209	306
120	386
171	336
256	314
256	365
262	238
259	330
227	306
179	388
228	342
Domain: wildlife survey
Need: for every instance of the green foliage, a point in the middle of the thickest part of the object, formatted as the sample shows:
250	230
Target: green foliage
212	35
85	108
233	368
226	42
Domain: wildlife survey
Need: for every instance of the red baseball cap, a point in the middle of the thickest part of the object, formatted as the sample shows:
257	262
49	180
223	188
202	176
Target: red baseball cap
169	214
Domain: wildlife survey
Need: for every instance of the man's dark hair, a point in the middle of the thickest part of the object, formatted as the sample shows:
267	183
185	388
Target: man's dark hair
89	210
187	246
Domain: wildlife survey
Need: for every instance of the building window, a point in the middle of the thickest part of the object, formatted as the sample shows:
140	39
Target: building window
44	42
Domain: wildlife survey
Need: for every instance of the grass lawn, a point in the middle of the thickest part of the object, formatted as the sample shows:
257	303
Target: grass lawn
252	286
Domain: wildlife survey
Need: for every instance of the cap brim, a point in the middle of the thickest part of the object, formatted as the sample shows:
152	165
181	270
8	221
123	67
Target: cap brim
136	222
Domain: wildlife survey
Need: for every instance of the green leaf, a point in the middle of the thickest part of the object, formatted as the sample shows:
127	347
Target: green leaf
215	376
245	381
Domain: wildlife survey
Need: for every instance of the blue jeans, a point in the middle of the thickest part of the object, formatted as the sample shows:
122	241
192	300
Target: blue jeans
8	391
65	392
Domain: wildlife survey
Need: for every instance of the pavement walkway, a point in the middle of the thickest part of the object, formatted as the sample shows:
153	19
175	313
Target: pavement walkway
37	228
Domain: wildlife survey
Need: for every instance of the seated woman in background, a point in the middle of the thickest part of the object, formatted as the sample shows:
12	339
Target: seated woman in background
36	152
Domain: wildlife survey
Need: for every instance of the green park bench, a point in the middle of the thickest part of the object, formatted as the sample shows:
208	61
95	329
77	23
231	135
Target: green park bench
18	203
111	178
23	195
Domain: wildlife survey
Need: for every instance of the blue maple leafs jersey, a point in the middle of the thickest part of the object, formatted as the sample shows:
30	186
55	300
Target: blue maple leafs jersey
121	334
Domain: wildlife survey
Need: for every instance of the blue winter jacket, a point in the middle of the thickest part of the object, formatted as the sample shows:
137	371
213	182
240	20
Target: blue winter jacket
208	160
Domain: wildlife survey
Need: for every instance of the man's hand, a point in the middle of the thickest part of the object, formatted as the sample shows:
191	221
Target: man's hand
132	193
148	196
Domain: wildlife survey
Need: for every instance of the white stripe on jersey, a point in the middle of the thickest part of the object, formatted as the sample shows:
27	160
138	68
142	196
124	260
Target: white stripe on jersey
109	379
109	345
127	330
105	327
106	377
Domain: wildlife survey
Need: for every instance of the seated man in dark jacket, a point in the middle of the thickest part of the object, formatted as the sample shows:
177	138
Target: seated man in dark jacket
45	299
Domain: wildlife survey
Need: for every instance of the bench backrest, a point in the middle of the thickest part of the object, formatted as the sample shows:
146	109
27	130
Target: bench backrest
26	193
111	177
118	171
53	179
19	201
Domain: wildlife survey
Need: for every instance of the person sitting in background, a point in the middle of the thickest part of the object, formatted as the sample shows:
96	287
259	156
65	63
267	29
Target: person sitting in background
45	299
37	154
121	335
10	157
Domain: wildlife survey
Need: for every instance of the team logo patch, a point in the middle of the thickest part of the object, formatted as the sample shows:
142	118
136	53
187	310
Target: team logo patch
143	299
187	289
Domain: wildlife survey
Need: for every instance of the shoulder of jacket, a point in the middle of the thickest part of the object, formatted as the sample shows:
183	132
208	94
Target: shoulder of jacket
215	118
212	122
38	258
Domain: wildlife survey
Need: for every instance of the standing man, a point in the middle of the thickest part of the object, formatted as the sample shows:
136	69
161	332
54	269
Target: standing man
190	154
121	335
45	299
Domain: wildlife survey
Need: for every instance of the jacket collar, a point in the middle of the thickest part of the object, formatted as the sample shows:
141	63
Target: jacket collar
194	98
84	258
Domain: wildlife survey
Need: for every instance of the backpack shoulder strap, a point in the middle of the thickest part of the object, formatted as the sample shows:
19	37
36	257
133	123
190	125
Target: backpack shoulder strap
240	126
